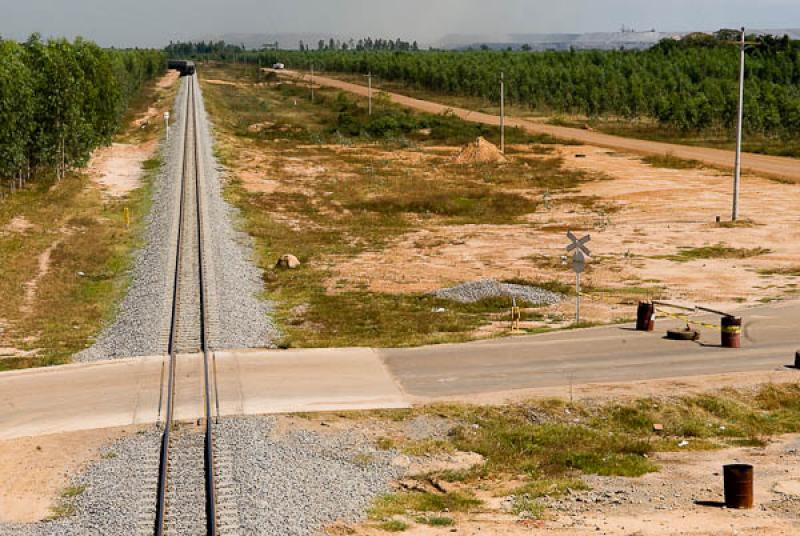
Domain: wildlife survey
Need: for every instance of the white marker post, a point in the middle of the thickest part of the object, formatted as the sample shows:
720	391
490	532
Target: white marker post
166	123
578	266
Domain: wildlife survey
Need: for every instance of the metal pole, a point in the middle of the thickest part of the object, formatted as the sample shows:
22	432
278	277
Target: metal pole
737	174
312	82
502	113
369	77
578	298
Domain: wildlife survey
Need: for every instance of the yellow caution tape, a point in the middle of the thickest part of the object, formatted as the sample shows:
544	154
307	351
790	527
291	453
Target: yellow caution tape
612	301
732	329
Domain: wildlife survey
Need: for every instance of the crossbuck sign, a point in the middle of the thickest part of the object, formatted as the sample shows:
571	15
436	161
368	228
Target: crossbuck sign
578	246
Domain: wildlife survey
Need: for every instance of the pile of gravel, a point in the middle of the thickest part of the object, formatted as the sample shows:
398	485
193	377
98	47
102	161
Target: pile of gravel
118	494
475	291
295	484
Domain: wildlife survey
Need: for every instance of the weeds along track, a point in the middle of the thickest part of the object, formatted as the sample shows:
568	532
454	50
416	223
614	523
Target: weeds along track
186	502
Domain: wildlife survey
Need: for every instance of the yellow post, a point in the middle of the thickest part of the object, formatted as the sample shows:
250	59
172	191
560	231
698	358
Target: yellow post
127	218
516	315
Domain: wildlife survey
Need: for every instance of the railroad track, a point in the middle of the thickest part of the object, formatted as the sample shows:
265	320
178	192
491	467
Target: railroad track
186	502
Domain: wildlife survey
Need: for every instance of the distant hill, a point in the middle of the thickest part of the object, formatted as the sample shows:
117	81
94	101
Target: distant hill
586	41
536	41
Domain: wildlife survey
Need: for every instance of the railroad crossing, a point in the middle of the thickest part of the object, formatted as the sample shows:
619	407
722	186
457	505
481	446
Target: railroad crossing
580	253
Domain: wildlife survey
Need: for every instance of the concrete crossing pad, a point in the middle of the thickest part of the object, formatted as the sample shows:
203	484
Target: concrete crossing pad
124	392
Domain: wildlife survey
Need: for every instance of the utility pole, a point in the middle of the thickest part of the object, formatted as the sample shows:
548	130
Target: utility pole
369	78
502	113
312	82
737	174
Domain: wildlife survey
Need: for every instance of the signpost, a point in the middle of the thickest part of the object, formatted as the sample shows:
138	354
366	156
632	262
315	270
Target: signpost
578	266
737	173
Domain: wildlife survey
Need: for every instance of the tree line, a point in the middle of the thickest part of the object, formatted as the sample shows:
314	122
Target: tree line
362	44
688	85
59	100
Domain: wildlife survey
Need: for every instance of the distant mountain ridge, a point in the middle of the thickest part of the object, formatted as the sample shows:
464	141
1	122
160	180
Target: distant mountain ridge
536	41
578	41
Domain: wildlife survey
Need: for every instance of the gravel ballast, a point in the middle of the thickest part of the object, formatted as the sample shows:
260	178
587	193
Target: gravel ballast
270	482
239	319
117	494
294	484
482	289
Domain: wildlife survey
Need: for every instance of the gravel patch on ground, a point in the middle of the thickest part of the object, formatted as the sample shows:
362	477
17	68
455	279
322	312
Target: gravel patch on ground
475	291
429	427
115	495
298	482
239	318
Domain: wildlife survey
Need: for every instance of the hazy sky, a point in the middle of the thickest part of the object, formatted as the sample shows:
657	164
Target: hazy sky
155	22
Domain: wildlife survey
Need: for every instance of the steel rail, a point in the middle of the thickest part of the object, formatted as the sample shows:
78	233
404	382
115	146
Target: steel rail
163	474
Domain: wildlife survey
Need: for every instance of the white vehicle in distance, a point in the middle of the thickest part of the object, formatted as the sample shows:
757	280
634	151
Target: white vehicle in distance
278	66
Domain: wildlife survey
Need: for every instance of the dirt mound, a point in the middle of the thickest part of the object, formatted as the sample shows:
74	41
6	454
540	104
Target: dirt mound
480	151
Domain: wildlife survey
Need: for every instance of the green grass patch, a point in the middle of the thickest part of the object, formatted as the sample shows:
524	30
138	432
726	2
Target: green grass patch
791	271
437	521
718	251
418	502
670	161
66	506
394	525
476	206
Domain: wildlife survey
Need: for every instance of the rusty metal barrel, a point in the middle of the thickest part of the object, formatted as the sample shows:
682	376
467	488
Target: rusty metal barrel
731	332
738	485
646	317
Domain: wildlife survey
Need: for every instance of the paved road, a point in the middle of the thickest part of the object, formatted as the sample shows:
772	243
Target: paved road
788	168
600	355
119	393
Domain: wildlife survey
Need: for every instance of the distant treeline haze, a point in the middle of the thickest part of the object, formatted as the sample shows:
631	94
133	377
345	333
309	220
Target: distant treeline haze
685	85
60	100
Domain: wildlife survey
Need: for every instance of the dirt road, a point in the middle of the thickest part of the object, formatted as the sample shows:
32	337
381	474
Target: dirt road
787	168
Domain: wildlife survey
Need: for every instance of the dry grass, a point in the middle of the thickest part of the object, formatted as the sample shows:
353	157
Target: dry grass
88	269
377	179
717	251
549	444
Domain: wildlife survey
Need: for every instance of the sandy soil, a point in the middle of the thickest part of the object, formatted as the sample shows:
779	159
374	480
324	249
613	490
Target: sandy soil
683	498
36	470
169	80
43	267
118	169
630	236
771	165
18	224
604	392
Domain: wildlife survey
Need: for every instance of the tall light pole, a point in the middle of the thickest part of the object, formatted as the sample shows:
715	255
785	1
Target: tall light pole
737	174
502	113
